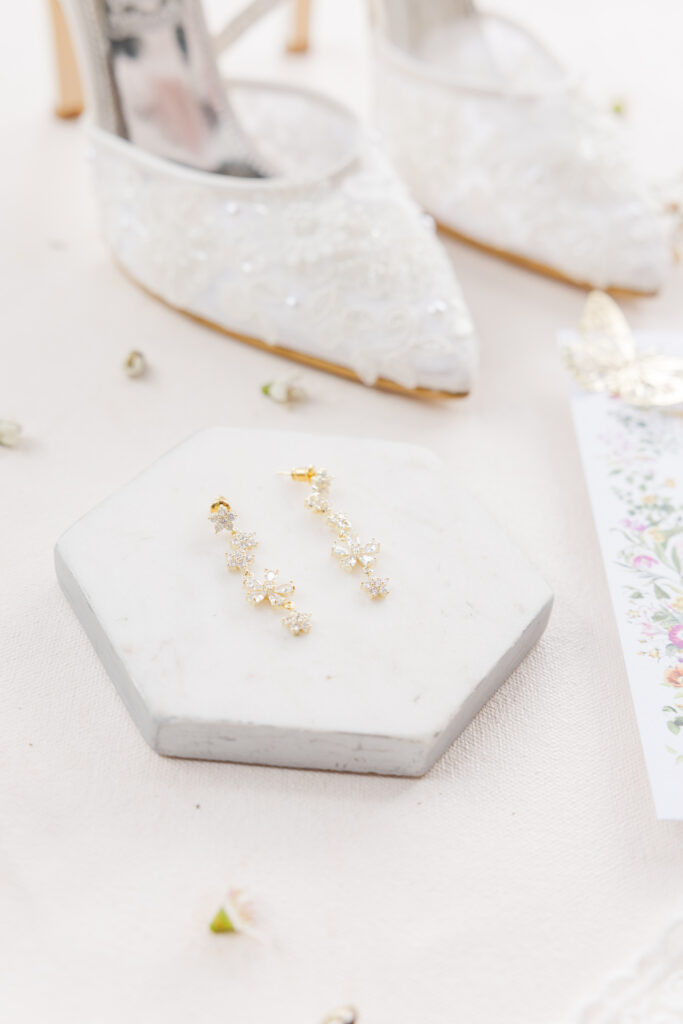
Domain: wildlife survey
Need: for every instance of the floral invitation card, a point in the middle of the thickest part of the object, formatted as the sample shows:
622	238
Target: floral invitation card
633	463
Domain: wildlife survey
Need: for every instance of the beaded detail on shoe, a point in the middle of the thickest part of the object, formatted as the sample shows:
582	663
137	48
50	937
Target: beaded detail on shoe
543	175
343	268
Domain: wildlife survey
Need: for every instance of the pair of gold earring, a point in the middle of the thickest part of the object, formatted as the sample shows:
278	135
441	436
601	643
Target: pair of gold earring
269	590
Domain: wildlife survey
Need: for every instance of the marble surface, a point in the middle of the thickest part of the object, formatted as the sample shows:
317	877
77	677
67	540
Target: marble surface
505	885
376	686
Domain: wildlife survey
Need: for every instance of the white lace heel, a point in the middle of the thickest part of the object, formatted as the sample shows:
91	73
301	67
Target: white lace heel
261	210
494	140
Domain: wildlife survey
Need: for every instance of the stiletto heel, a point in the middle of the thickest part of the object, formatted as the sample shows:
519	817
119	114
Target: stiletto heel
299	39
69	91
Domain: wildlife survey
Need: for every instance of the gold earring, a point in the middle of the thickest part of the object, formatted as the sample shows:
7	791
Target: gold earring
266	591
348	547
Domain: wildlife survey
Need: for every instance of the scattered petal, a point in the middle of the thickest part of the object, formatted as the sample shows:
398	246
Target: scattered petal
221	922
135	364
342	1015
10	432
235	915
285	392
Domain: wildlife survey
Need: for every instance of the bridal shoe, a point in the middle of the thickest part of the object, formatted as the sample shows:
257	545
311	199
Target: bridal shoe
259	209
499	146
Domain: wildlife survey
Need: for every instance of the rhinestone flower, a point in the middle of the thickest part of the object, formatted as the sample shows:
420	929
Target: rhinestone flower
298	622
239	559
352	552
244	541
339	521
268	589
321	481
222	518
242	554
318	501
375	586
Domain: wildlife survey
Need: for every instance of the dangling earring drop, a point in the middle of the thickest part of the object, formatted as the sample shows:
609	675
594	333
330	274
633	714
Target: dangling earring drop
265	591
348	547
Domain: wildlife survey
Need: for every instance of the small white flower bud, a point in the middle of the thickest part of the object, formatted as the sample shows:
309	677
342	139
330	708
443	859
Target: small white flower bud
10	432
135	364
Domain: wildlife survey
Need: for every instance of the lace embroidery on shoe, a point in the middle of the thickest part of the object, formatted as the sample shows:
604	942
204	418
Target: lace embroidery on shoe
547	177
346	263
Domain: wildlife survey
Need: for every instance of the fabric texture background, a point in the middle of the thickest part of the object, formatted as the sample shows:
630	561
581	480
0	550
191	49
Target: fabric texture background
507	884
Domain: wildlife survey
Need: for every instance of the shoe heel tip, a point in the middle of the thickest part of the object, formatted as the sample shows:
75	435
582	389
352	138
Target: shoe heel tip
297	47
66	112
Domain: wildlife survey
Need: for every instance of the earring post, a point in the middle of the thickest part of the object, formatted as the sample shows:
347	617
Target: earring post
301	473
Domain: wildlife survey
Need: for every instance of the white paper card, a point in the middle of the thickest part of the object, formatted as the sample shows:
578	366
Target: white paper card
633	463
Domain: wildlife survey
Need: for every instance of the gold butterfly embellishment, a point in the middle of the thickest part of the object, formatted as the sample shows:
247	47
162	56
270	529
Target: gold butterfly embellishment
604	357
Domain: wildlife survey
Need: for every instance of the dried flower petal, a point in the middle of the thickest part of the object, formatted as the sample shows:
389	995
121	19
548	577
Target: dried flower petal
135	364
10	432
235	915
221	923
342	1015
284	392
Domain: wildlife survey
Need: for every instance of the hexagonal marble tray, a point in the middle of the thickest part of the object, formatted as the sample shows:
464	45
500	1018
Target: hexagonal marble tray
376	686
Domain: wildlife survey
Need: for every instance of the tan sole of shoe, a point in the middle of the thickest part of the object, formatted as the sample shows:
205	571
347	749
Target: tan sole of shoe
299	357
538	268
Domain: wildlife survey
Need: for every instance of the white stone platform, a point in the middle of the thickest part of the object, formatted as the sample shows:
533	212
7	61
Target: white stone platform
377	686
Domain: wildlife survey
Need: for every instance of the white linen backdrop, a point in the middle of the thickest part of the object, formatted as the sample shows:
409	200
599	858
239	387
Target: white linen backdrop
528	865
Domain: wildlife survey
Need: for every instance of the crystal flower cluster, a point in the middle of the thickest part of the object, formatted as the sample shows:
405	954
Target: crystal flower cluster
268	590
348	547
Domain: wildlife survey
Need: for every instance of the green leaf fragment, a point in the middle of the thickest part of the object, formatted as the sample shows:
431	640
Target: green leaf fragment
222	923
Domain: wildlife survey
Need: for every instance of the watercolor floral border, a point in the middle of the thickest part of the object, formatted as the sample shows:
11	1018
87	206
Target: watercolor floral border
651	547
